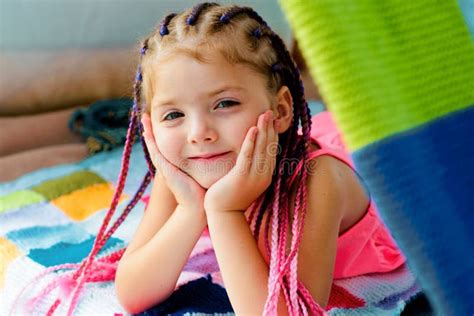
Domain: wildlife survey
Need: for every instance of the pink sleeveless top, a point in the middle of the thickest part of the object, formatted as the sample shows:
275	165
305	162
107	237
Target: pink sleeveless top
366	247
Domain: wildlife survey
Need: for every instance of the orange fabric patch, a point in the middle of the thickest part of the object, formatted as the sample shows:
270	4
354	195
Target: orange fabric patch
8	253
82	203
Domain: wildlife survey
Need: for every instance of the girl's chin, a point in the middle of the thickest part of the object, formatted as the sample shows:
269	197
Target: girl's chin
207	180
208	175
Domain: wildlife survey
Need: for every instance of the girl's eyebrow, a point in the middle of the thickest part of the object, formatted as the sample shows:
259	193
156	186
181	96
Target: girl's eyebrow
210	94
223	89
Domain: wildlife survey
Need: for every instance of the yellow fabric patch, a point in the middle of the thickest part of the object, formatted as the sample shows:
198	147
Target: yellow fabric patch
8	253
82	203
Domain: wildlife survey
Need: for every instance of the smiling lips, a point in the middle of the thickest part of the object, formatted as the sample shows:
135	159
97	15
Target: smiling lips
209	157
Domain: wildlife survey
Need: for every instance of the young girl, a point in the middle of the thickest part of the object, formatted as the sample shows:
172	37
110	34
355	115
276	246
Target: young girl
226	127
221	103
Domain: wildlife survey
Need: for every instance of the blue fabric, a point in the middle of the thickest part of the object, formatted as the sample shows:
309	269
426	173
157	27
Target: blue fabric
65	252
467	9
315	106
198	296
422	181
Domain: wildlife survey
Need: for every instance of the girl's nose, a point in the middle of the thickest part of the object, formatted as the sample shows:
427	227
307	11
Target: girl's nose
201	131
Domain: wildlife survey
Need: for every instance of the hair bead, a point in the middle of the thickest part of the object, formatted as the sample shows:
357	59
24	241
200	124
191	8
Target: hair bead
163	30
257	33
196	12
190	20
225	19
164	24
276	67
139	76
234	11
144	48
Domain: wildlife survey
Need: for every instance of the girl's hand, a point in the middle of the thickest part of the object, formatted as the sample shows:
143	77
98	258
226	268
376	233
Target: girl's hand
188	193
252	173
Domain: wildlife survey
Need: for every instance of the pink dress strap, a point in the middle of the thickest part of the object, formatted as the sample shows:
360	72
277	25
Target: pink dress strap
367	246
325	134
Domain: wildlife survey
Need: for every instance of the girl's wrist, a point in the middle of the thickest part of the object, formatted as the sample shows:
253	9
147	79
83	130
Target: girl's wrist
194	213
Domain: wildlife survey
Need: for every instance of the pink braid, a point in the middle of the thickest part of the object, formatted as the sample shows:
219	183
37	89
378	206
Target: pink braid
82	274
270	306
298	224
35	281
285	289
97	243
276	195
106	263
85	265
274	282
297	233
104	268
253	211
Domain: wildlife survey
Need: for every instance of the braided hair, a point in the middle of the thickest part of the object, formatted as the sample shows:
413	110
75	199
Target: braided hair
216	27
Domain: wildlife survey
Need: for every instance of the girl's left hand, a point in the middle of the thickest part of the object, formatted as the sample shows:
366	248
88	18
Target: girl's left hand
252	173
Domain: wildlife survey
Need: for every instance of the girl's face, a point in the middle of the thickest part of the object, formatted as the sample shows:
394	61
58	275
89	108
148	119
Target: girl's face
200	110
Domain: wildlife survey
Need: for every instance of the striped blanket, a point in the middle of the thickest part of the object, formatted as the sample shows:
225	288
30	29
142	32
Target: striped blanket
51	217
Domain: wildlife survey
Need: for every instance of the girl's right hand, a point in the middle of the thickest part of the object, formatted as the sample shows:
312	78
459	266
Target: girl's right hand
188	193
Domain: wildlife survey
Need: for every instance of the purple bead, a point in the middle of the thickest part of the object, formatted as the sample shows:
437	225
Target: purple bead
224	19
257	32
276	67
139	76
191	20
163	30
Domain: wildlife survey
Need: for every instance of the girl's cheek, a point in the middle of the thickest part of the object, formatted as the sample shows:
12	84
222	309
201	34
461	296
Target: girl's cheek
168	146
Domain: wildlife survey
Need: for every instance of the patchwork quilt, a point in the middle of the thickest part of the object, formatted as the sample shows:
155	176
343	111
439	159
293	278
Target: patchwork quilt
51	217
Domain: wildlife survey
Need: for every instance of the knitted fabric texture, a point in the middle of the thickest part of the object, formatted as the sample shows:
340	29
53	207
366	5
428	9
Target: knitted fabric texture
103	124
398	77
38	233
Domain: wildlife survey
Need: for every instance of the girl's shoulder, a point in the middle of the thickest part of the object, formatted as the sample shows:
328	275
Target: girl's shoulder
330	167
336	176
359	222
330	151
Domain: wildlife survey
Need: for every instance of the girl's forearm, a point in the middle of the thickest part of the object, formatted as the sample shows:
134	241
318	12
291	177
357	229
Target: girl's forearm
149	275
244	271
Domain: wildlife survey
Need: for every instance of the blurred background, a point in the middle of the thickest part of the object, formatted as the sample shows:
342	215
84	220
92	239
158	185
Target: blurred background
57	56
59	53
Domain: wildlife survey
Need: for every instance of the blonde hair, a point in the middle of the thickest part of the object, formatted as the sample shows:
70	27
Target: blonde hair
208	33
211	27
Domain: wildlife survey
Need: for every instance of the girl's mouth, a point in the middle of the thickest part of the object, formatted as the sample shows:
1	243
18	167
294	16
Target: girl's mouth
211	157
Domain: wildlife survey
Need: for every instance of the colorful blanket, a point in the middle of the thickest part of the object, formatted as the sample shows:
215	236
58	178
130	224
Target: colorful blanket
51	217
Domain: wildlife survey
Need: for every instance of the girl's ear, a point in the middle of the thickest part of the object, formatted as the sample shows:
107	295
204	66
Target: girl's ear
284	109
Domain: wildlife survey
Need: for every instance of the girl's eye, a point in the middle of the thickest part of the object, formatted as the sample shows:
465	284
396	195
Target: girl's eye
226	103
171	116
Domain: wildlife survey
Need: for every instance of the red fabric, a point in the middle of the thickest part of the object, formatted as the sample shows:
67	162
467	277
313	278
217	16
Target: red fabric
342	298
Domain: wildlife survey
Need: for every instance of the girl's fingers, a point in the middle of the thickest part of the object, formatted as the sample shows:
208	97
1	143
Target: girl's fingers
272	146
146	123
149	138
261	146
244	159
158	160
153	151
271	133
262	134
172	174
